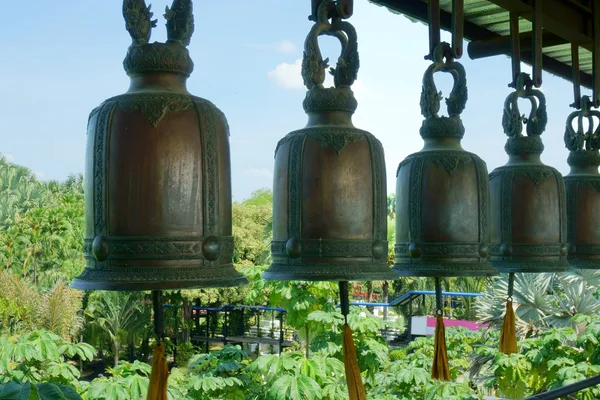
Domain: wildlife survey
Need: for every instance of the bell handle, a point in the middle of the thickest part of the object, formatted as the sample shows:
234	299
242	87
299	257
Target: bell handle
313	65
512	120
430	97
578	140
180	22
138	20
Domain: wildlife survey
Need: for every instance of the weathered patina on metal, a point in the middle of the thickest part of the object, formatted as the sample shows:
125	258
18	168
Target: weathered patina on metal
329	189
157	177
442	192
583	187
529	214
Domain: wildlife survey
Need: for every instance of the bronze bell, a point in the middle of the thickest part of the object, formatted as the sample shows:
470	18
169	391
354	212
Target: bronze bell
157	175
329	186
442	192
583	188
529	229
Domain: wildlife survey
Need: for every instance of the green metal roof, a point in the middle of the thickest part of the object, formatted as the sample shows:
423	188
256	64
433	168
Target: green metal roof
487	21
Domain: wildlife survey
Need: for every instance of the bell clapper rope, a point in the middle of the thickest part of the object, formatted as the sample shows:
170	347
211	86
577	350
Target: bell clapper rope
508	334
157	388
356	390
440	368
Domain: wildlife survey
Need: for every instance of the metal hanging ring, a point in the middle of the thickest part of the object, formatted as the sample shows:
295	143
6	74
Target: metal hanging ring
313	65
578	140
512	120
430	97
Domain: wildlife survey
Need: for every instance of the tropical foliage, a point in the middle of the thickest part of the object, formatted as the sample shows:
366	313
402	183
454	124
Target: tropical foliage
45	326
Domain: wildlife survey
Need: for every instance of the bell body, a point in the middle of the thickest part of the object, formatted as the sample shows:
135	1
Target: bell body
157	183
528	210
442	212
583	209
329	197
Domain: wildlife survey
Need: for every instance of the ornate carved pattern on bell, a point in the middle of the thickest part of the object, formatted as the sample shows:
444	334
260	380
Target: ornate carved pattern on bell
572	187
445	249
506	176
327	248
100	150
206	117
562	207
115	273
483	186
157	248
450	160
536	174
153	106
416	196
335	137
378	191
587	249
295	189
548	249
401	249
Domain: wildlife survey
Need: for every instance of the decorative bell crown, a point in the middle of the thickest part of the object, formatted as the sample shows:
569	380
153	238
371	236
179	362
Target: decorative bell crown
528	226
442	192
583	187
329	186
157	176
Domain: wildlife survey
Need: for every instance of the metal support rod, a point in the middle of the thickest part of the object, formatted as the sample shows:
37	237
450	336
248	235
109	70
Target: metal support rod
439	302
511	284
515	46
280	331
566	390
433	12
344	300
537	43
157	306
596	53
458	14
576	75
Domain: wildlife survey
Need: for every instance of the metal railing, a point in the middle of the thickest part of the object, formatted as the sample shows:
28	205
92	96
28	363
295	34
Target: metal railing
566	390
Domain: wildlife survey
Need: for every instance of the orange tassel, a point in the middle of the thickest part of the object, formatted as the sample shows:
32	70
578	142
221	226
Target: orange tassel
157	388
356	389
508	334
440	368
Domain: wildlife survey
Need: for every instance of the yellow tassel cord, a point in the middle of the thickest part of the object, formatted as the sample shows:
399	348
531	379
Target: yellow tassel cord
356	389
440	369
508	334
157	389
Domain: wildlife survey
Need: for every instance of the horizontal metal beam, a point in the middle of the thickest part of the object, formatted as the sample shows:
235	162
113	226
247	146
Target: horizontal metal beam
565	390
417	9
562	18
501	44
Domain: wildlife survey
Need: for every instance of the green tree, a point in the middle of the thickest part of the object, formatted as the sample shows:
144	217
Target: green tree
118	315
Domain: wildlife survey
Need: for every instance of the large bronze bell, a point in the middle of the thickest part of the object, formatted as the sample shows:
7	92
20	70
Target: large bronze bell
442	192
329	186
529	229
583	188
157	176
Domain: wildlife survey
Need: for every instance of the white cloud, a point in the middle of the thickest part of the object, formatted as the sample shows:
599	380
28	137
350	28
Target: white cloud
260	173
9	157
286	47
288	75
40	175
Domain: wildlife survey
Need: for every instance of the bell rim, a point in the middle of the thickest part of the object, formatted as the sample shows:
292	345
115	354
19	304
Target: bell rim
439	270
532	266
582	263
364	272
222	276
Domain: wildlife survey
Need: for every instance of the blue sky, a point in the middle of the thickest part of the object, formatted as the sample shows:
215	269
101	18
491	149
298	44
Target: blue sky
62	58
